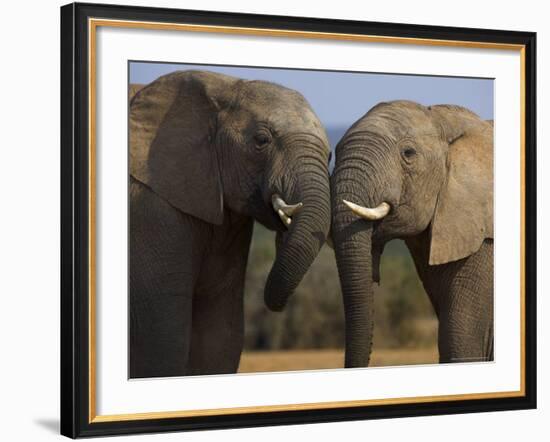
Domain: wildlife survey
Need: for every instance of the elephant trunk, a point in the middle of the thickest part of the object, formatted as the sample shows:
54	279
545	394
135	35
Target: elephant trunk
352	238
360	181
306	234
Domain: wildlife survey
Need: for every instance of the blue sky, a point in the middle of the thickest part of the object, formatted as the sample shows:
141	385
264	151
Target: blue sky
340	98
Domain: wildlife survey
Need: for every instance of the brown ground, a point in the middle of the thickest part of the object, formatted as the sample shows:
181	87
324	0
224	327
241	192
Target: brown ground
319	359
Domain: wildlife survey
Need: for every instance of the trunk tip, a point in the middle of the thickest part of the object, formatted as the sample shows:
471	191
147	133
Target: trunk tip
274	303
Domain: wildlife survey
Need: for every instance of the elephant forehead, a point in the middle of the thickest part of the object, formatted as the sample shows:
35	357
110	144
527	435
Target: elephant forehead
398	120
286	110
267	92
295	120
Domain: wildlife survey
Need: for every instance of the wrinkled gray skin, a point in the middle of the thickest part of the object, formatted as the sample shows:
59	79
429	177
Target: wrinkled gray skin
434	167
207	152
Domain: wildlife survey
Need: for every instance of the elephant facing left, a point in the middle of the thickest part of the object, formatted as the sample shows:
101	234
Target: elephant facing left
209	154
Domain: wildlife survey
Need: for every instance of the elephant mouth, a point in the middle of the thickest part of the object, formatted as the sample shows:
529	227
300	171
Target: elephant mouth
284	211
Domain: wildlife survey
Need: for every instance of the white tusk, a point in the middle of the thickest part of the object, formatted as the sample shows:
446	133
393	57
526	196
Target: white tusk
292	209
284	210
367	213
285	219
288	209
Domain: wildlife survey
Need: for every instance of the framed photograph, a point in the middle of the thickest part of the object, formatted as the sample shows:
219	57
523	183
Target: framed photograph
279	220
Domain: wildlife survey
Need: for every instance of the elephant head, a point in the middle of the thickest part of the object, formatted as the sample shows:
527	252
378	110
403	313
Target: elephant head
403	170
211	145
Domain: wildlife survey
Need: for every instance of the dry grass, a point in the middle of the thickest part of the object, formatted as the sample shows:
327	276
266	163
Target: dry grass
261	361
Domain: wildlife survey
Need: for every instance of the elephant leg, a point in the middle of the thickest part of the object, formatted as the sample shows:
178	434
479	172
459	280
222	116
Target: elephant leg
217	331
466	311
163	265
465	336
218	313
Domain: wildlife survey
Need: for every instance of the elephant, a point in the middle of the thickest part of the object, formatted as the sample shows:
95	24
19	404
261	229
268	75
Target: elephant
209	155
423	174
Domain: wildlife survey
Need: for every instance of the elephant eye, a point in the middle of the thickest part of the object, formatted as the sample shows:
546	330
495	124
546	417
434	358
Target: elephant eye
409	152
262	139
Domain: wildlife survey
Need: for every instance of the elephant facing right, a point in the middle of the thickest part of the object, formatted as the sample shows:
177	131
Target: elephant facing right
424	175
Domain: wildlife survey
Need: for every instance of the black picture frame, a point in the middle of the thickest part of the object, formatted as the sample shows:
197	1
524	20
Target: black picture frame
75	219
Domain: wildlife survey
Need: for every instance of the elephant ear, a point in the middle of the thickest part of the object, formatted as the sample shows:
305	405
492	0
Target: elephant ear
171	121
463	216
133	89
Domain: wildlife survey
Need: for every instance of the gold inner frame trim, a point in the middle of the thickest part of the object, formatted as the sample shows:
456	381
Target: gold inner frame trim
92	28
